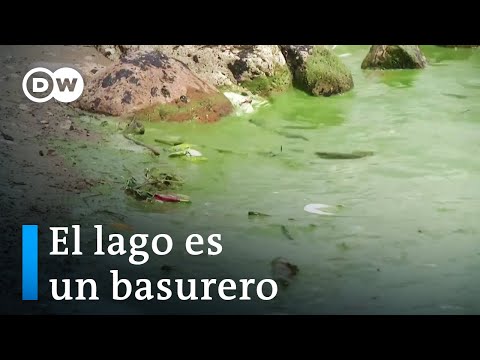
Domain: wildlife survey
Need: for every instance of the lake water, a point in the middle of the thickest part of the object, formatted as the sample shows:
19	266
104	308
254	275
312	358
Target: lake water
405	235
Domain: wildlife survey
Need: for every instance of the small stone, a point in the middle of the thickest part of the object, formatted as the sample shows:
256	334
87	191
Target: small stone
6	136
66	125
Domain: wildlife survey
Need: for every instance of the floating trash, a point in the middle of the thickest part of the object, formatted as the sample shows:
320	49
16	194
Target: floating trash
286	233
171	198
316	209
186	151
193	153
256	213
343	156
245	104
170	140
283	271
155	180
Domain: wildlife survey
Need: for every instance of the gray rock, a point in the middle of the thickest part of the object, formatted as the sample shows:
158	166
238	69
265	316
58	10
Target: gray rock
113	52
296	55
66	125
394	57
261	68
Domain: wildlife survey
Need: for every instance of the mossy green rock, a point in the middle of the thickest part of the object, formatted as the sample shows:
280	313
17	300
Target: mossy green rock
394	57
196	108
266	86
317	70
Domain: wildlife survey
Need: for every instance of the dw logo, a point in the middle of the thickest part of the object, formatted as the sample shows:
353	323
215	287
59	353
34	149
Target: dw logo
65	85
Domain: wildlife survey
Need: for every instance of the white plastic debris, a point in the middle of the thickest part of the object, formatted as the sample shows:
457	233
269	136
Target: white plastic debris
315	209
245	104
193	153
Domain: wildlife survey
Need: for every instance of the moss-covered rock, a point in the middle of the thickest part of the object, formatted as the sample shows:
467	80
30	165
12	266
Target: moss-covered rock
196	107
317	70
263	85
394	57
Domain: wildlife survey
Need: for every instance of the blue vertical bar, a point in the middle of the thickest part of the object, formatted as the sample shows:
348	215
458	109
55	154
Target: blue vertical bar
30	262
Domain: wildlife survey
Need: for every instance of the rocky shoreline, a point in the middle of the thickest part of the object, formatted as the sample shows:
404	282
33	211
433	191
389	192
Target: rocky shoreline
188	82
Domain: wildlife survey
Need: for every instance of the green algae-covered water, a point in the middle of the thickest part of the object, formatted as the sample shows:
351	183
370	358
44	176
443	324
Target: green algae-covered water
405	237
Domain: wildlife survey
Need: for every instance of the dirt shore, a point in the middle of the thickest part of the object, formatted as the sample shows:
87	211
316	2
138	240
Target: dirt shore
35	180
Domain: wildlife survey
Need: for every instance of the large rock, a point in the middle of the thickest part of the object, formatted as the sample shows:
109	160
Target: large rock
260	68
394	57
317	70
154	86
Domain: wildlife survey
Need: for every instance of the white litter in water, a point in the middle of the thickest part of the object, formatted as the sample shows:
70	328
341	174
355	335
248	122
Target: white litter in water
235	99
193	153
344	55
315	209
245	104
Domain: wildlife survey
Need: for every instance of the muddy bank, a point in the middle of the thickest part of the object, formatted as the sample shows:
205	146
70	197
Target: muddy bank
44	182
36	180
